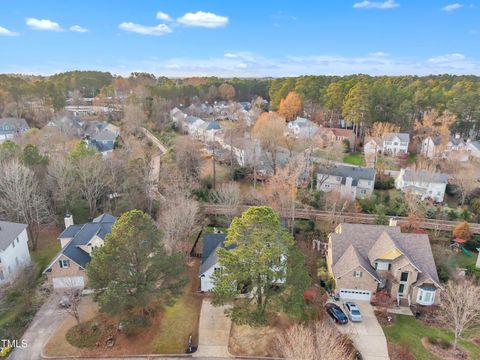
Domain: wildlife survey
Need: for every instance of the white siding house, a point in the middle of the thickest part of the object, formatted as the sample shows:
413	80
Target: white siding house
351	182
303	128
395	143
14	254
425	184
10	128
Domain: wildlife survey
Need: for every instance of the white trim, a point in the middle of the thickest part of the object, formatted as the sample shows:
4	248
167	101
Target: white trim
424	292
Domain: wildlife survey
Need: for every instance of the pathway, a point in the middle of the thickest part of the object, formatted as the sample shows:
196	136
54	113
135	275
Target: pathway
214	331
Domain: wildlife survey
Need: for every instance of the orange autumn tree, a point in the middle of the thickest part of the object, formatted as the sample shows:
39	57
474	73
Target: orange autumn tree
291	106
462	231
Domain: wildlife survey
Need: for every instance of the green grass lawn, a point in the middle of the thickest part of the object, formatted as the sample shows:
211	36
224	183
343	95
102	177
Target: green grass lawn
459	259
180	320
354	159
408	332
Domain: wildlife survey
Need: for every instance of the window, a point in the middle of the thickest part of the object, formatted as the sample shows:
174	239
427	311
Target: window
2	277
64	264
18	240
13	244
426	296
401	289
382	265
357	274
404	277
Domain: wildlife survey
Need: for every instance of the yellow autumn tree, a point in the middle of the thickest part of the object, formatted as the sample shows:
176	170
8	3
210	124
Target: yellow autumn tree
291	106
380	128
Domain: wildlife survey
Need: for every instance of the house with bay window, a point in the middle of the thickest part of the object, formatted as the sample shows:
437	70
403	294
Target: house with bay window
365	259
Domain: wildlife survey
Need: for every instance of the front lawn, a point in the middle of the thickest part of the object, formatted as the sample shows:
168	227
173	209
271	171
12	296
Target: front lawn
180	320
461	260
354	159
408	332
48	246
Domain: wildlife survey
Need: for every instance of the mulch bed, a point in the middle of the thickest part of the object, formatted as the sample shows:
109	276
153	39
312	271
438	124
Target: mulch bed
444	350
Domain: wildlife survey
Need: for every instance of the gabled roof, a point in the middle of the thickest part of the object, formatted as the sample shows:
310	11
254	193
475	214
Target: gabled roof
9	232
404	137
213	125
342	132
83	234
354	172
350	260
211	242
105	135
12	125
476	144
424	176
415	247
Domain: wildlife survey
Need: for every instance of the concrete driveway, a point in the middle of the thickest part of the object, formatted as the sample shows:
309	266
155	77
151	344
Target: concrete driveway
47	319
367	336
213	331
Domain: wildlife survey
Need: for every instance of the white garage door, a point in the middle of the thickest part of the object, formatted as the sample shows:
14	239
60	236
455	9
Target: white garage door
68	282
355	294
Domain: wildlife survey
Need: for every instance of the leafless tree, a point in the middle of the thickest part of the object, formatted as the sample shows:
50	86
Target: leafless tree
318	342
187	158
465	177
134	117
177	219
71	302
93	180
60	179
460	306
229	195
22	199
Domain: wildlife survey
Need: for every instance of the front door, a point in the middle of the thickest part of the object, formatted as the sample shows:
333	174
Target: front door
401	289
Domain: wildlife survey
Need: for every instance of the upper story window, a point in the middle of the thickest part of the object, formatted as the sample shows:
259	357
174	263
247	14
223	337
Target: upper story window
383	265
64	264
357	274
426	296
18	240
13	244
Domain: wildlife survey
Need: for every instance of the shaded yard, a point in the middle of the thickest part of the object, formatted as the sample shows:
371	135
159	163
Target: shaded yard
168	333
354	159
409	332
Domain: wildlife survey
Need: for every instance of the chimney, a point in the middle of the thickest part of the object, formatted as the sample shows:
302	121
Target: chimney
392	222
68	220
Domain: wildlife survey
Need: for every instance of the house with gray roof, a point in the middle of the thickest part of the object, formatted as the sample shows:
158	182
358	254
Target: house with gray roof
10	128
78	241
209	263
425	184
365	259
14	254
68	125
350	182
435	146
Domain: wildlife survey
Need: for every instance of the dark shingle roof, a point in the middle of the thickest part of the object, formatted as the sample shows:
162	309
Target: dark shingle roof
9	232
425	176
12	125
344	171
100	226
210	243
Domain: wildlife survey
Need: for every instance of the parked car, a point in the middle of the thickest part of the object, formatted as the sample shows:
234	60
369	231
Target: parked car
336	313
352	310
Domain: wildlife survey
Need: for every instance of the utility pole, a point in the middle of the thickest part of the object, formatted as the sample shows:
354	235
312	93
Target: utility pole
213	159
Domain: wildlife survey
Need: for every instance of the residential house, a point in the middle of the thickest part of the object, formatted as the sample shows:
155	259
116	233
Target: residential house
331	136
351	182
473	148
364	259
195	127
10	128
14	254
209	262
432	147
177	115
302	128
425	184
102	136
67	270
395	143
68	125
372	146
211	130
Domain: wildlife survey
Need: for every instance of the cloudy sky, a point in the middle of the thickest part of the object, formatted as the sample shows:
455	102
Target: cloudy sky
241	37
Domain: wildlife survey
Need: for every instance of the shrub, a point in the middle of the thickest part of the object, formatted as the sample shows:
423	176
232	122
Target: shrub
240	172
346	145
475	205
473	271
384	182
462	231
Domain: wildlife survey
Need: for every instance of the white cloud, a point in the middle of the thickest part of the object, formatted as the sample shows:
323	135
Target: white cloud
447	58
6	32
452	7
158	30
78	28
388	4
43	24
379	53
163	16
203	19
231	55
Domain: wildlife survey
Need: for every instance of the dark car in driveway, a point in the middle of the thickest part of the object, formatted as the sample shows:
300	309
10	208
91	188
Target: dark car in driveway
336	313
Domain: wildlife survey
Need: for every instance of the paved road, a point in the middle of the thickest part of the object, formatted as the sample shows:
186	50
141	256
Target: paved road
367	336
48	317
214	331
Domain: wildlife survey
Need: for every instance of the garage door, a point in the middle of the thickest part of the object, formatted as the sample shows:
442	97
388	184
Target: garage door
68	282
355	294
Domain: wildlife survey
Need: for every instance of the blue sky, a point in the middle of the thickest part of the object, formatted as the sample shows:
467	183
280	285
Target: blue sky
241	38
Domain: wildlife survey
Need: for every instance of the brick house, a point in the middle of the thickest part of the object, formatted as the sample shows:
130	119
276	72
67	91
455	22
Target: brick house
67	269
363	259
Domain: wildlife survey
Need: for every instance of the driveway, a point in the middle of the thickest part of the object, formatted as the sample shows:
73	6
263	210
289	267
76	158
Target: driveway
213	331
47	319
367	336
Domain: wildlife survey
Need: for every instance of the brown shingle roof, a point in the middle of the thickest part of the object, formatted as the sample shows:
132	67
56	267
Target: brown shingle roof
371	240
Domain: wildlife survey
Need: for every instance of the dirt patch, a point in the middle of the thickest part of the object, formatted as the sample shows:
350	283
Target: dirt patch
444	349
397	352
